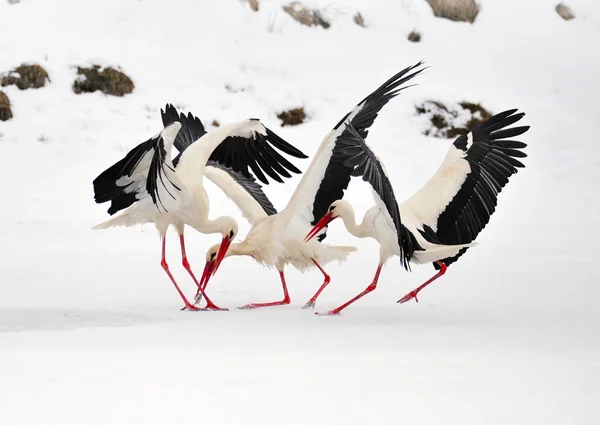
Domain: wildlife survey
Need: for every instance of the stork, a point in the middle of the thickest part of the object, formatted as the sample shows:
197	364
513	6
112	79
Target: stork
152	188
277	240
441	220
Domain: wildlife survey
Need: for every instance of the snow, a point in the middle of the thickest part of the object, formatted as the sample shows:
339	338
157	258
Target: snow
90	327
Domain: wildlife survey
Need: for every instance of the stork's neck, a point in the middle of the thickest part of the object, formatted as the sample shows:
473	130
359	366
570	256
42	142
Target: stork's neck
348	216
219	225
237	249
194	158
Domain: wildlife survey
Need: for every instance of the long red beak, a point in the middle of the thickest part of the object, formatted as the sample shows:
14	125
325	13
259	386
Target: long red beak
206	274
221	254
324	221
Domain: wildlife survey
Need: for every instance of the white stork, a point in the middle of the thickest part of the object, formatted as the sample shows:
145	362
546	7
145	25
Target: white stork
154	189
441	220
277	240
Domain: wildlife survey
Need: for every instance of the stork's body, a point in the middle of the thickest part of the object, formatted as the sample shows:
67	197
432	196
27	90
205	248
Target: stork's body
278	240
441	221
155	189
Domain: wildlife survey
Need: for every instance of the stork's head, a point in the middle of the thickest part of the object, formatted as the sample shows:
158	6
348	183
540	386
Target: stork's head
335	210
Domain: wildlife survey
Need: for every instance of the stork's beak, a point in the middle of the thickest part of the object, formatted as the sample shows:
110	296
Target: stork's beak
324	221
221	254
208	268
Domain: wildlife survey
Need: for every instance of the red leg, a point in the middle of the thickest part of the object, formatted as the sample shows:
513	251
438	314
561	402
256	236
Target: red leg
286	297
186	265
311	302
370	288
413	294
187	306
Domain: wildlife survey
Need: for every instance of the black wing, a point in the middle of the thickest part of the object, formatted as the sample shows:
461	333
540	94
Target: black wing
250	185
145	171
364	163
259	153
191	128
338	173
492	158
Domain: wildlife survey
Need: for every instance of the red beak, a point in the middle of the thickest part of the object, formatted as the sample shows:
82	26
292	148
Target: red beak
206	274
221	254
324	221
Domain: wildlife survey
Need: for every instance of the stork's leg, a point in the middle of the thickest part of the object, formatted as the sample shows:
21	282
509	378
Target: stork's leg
311	302
186	265
286	297
413	294
370	288
187	306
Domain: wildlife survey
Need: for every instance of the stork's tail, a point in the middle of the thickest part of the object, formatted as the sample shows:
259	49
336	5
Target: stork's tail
333	253
435	252
125	219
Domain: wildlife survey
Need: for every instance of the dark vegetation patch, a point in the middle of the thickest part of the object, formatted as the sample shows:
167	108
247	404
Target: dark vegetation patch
414	36
455	10
25	77
215	123
307	17
107	80
292	117
5	111
450	123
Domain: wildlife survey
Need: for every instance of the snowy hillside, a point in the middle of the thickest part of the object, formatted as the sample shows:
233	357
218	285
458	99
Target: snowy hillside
90	327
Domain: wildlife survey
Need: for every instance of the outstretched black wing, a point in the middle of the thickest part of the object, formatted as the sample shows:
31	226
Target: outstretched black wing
338	173
492	160
258	152
145	171
191	128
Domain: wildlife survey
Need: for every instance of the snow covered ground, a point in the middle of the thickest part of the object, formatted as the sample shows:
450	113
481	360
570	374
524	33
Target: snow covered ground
90	327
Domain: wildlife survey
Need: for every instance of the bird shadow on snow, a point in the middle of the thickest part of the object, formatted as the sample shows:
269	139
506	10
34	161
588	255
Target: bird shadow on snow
19	320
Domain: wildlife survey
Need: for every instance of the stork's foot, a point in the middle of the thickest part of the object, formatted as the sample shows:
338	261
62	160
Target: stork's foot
210	307
190	307
260	305
408	297
329	313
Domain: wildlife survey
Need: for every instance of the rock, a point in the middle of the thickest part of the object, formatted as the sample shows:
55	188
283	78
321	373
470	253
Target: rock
564	11
107	80
25	77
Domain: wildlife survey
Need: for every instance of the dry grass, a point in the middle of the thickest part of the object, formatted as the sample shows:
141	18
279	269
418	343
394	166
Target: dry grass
455	10
292	117
5	111
564	11
253	5
359	20
107	80
442	118
25	77
307	17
